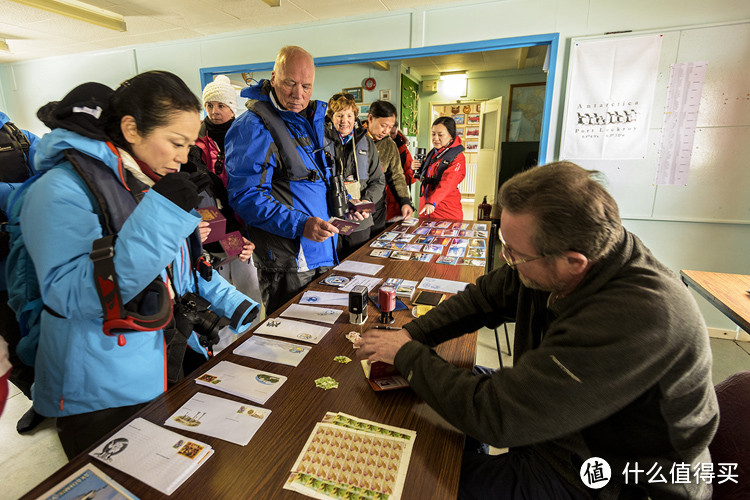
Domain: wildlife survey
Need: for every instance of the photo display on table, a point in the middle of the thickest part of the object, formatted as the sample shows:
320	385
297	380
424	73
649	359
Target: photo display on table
441	242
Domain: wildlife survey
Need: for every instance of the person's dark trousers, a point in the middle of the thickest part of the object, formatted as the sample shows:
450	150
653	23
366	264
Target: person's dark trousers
278	287
351	242
22	376
378	218
78	432
521	473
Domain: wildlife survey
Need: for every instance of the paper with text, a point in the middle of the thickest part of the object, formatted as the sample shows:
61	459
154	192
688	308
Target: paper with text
248	383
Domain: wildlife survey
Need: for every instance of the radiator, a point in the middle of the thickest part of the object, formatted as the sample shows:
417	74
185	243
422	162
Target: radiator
469	184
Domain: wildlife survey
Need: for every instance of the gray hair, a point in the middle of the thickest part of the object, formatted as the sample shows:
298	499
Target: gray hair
573	211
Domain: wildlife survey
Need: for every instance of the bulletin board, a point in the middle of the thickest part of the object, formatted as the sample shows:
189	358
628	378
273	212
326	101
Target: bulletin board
718	183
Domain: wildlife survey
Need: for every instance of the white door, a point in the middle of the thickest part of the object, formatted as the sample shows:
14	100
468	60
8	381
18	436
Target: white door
488	159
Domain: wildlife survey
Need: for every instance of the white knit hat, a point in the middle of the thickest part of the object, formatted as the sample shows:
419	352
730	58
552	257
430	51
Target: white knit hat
220	90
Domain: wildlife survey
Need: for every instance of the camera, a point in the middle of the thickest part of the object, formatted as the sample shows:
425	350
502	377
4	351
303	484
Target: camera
420	155
337	198
206	323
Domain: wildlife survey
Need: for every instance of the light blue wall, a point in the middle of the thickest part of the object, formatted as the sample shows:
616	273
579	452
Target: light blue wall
481	85
28	85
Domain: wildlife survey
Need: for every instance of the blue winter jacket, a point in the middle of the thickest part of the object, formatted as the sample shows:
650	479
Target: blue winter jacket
7	188
78	368
273	203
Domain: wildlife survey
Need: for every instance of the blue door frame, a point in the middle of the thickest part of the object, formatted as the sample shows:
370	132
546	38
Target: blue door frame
550	39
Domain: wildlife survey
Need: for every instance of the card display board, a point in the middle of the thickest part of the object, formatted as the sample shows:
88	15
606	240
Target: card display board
718	180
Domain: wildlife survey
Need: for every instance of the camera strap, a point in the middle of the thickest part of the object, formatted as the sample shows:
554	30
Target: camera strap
114	201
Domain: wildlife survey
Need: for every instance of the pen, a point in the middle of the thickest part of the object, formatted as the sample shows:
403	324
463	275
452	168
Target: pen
379	327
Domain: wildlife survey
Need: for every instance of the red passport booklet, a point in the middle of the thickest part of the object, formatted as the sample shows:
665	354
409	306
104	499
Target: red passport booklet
362	206
344	226
232	244
216	222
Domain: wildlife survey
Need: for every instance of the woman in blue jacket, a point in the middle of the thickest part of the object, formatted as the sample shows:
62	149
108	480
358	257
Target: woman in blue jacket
91	381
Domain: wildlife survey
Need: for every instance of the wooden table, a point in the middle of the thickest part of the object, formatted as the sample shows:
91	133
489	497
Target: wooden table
259	469
728	292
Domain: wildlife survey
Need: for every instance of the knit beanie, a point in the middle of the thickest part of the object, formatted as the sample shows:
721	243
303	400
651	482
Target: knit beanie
220	90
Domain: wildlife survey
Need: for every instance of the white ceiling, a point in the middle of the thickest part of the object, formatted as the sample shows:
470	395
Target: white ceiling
33	33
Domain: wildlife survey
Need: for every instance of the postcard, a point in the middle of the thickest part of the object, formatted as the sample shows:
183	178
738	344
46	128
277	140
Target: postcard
455	251
445	259
422	257
404	238
401	255
220	418
357	280
478	243
289	329
353	266
421	230
249	383
476	253
413	247
275	351
433	248
440	285
161	458
466	233
480	227
312	297
312	313
388	236
86	481
460	242
424	240
380	252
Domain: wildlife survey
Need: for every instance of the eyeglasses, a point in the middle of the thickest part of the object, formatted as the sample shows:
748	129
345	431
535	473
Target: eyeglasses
342	95
507	254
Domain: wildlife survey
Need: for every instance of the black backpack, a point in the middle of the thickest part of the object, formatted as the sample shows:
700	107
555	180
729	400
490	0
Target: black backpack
14	168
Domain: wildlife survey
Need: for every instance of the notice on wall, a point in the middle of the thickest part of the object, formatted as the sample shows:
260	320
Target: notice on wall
610	96
680	119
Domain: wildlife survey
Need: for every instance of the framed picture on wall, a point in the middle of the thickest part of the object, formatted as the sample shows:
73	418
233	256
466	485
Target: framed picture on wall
459	119
525	111
385	95
357	92
364	109
474	118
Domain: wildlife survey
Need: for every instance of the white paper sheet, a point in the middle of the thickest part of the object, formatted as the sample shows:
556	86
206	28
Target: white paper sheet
367	281
248	383
438	285
159	457
354	266
312	297
312	313
272	350
220	418
290	329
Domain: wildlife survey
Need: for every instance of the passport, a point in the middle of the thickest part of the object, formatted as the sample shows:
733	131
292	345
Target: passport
216	222
344	226
362	206
232	244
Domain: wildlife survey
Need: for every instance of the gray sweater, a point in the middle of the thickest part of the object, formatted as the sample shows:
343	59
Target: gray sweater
619	369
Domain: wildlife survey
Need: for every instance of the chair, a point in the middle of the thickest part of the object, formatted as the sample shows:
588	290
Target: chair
489	267
731	443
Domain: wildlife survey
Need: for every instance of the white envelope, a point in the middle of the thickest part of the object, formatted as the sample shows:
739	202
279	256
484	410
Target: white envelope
312	313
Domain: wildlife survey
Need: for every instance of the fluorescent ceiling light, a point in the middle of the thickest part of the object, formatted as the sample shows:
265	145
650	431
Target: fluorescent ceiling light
453	75
4	45
453	84
81	11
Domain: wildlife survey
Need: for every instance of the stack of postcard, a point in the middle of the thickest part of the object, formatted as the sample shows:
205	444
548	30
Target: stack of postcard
218	417
159	457
242	381
347	457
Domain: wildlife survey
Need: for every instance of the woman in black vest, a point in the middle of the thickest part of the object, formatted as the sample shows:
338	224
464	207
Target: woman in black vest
355	157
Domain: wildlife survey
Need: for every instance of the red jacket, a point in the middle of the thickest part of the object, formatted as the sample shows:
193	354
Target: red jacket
445	196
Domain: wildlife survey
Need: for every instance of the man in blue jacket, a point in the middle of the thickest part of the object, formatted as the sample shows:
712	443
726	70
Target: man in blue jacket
16	164
279	177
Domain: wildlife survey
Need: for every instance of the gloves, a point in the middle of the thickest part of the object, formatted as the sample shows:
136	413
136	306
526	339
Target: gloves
179	189
202	181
